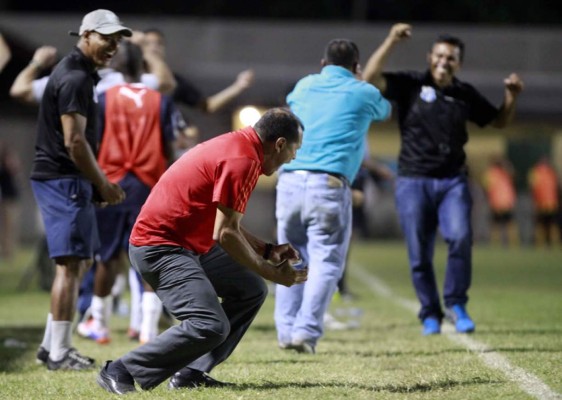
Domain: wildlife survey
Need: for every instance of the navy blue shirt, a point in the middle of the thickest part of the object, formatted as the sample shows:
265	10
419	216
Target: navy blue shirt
70	90
433	122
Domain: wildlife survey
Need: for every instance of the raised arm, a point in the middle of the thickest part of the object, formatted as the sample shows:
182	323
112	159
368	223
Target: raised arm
243	81
513	87
22	88
155	64
372	72
5	53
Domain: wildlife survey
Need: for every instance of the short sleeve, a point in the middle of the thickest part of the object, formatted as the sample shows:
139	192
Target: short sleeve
235	180
75	94
482	112
398	84
38	88
150	81
186	93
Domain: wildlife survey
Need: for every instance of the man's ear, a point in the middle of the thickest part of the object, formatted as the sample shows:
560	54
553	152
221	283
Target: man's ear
280	144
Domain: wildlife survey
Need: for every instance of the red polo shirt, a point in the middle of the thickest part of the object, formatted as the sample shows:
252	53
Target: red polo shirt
182	207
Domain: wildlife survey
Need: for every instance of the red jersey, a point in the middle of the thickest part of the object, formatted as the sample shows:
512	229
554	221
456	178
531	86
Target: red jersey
544	187
500	189
181	209
132	137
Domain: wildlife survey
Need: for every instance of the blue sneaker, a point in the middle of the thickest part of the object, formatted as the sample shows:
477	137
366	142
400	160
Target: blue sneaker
457	315
431	326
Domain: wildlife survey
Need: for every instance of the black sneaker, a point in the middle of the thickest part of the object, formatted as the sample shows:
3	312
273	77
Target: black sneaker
42	355
114	383
72	361
195	380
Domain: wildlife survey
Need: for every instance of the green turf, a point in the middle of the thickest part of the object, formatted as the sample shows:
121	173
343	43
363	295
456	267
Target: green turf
516	301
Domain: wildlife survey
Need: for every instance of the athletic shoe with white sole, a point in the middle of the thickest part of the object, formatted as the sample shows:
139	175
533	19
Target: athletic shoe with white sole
42	355
72	361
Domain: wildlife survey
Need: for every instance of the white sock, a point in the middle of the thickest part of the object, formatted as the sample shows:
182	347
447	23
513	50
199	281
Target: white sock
46	343
119	286
151	310
136	300
101	310
61	333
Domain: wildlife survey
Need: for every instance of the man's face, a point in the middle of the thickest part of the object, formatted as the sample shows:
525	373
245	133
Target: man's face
154	43
285	152
101	48
444	62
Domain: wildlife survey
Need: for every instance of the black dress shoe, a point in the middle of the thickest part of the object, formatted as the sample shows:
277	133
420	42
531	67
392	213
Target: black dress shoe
195	380
115	383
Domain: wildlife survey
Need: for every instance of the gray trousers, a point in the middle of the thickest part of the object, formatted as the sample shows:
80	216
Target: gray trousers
190	286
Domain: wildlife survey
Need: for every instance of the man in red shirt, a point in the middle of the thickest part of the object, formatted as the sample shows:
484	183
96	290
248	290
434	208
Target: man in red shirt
188	244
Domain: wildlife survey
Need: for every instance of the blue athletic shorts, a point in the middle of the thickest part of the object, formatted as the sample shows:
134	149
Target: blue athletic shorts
115	223
69	216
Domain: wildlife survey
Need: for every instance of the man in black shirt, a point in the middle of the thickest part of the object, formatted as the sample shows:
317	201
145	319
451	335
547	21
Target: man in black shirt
432	189
65	176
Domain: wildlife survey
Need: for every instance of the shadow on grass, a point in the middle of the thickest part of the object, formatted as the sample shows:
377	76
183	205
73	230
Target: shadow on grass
404	388
17	343
371	354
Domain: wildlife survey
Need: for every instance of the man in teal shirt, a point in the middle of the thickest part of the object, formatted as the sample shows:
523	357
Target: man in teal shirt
313	194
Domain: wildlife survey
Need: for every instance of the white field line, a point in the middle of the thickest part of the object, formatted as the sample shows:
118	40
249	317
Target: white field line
528	382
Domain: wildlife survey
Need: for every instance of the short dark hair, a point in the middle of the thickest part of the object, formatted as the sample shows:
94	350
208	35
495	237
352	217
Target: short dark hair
129	60
453	41
342	52
279	122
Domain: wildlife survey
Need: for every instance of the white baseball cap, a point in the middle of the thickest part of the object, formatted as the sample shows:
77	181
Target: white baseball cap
104	22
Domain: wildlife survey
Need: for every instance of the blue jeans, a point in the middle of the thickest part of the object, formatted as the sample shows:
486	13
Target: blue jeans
424	204
313	213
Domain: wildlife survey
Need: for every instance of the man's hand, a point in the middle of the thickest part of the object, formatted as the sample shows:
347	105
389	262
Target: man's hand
111	193
284	274
513	84
282	252
400	32
245	79
45	57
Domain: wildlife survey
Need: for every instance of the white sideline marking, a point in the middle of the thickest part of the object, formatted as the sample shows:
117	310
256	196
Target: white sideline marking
526	381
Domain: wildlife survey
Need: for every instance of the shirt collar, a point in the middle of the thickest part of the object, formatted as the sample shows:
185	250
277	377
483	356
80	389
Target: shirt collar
429	80
90	66
336	70
254	138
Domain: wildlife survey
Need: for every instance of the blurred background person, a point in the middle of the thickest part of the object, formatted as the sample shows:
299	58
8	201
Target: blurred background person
543	183
187	94
498	182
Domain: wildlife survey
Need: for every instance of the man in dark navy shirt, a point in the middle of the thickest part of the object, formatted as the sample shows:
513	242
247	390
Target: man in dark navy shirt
65	174
432	189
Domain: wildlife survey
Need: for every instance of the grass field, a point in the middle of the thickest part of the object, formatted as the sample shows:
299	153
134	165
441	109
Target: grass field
516	352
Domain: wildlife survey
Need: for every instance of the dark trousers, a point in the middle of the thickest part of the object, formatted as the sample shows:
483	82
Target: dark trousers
190	286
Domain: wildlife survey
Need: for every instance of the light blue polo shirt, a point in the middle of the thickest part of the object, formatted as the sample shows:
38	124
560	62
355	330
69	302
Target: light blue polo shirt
336	110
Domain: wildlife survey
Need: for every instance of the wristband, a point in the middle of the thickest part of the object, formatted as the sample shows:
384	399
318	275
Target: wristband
267	250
